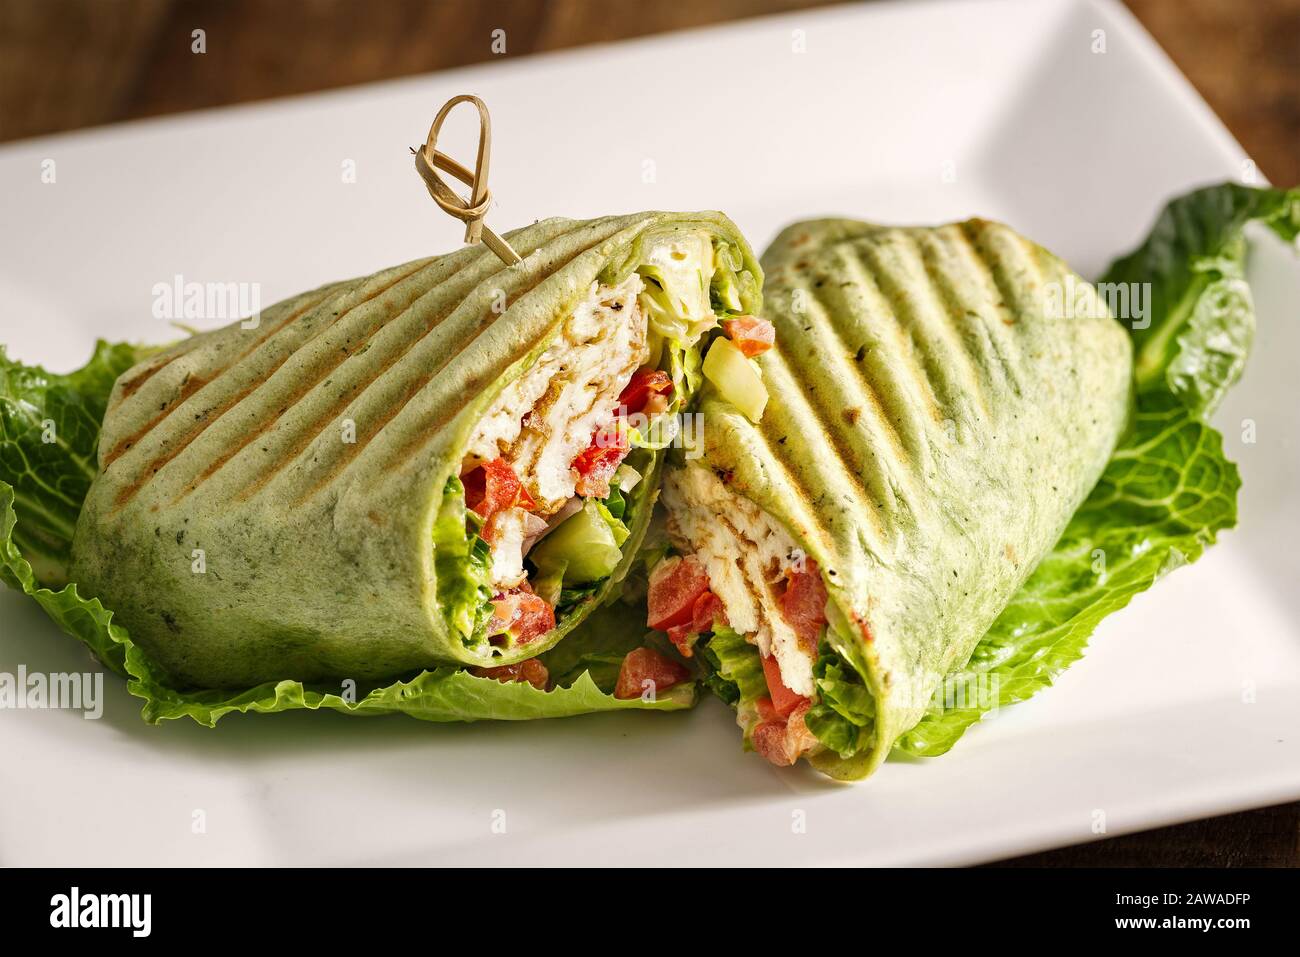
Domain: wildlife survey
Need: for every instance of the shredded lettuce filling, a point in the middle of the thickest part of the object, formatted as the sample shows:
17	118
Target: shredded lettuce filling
844	715
677	271
733	670
732	285
463	564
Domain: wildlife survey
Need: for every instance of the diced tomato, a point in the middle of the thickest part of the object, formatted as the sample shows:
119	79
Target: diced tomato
597	463
770	740
520	615
766	710
784	701
803	604
751	335
647	665
645	382
493	486
705	612
532	671
682	638
783	740
708	608
676	585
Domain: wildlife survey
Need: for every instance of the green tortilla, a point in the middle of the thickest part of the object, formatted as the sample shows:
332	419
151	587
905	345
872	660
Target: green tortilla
935	418
267	496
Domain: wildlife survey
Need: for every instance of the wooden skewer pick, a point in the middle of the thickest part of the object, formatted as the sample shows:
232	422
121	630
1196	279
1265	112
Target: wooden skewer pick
471	212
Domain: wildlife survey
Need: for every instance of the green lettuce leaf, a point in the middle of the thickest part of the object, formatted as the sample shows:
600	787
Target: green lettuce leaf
1168	490
49	433
463	565
733	670
42	487
738	663
616	505
1198	332
712	677
844	716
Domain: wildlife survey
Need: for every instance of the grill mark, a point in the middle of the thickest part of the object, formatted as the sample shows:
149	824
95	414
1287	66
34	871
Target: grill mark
130	388
412	391
909	317
904	350
902	412
321	423
425	432
996	265
850	463
950	312
1007	368
300	391
989	263
351	453
264	333
125	494
803	493
264	427
758	591
127	443
879	407
973	329
190	386
840	434
130	490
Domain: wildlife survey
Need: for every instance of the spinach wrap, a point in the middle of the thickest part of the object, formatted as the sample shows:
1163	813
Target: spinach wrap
934	420
451	461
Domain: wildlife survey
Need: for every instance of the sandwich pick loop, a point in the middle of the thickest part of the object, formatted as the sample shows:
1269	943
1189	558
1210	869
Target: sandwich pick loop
429	160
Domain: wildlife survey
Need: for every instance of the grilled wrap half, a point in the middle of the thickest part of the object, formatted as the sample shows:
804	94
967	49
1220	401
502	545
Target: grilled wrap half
941	402
355	485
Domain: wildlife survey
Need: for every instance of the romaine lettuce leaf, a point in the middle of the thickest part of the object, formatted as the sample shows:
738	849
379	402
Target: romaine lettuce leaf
1168	490
49	433
463	565
1195	340
615	504
733	671
42	486
738	663
844	716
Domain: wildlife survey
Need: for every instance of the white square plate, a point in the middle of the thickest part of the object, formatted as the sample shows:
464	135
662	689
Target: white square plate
1188	703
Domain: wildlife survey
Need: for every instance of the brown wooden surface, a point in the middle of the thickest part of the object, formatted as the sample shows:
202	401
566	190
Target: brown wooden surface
66	64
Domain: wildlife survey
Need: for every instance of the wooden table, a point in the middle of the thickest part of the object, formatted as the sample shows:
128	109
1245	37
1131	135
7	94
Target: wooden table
66	64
